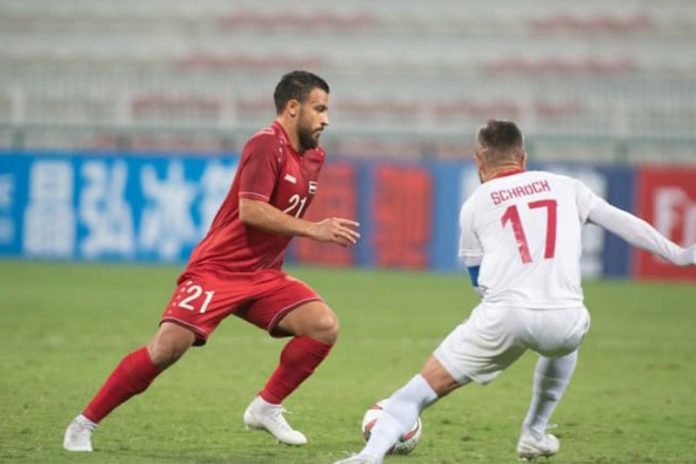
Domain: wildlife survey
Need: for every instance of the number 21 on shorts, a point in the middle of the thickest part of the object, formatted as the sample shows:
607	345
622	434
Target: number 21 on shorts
512	216
190	300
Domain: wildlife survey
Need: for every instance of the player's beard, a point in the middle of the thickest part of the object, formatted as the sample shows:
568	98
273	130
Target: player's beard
308	138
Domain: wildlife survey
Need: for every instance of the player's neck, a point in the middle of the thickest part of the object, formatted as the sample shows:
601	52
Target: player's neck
502	171
290	132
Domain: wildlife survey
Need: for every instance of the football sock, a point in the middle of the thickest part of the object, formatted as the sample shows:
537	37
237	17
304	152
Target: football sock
400	413
83	421
133	375
551	377
298	360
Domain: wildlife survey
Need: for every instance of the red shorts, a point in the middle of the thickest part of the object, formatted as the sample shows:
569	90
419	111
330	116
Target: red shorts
202	301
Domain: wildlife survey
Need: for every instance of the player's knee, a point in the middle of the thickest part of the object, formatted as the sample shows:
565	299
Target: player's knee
326	328
165	353
168	345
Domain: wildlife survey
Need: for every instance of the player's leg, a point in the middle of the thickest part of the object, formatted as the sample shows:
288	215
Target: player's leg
315	329
404	407
478	349
196	307
132	376
551	378
558	336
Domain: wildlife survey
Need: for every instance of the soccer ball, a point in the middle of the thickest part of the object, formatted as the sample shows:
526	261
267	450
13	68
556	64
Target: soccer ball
405	443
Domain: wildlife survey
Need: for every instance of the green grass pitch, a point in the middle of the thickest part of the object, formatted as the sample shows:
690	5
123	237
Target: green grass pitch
63	327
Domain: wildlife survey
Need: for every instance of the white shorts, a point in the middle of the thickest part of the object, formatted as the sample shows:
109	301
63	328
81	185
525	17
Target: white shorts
494	337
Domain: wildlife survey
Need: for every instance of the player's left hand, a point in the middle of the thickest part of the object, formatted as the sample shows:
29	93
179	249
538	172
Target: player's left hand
337	230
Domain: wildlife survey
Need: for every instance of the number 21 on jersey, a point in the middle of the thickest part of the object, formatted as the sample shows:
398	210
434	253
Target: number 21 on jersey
297	204
512	216
194	291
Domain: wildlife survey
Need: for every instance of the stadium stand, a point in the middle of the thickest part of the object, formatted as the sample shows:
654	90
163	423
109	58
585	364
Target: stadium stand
407	76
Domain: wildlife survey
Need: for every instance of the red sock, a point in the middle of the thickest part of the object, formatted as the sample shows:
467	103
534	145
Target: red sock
297	362
133	375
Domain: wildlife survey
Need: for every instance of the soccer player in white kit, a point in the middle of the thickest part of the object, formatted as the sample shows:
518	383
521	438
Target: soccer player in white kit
521	241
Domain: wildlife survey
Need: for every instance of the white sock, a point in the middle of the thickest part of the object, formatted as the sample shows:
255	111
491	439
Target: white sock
551	377
263	405
400	413
85	422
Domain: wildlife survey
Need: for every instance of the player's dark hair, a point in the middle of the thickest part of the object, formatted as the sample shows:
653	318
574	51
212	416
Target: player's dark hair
296	85
501	139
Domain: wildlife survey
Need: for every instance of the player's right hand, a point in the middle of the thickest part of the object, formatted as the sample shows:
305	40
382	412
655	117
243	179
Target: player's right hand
687	257
337	230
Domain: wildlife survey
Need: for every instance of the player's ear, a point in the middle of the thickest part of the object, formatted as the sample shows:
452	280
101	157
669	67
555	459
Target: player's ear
480	165
293	107
524	160
478	157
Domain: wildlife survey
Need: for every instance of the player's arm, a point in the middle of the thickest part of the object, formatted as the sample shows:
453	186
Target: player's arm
264	216
639	233
259	173
470	250
473	267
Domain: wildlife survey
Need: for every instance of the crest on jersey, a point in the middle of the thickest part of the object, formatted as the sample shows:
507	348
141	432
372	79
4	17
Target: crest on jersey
290	178
312	187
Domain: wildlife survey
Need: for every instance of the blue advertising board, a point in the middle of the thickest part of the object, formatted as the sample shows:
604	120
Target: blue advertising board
155	208
108	207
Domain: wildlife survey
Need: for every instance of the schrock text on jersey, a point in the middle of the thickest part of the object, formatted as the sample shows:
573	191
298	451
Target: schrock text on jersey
538	186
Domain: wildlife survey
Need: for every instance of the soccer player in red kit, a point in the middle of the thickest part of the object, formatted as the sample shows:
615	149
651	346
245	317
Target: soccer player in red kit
236	269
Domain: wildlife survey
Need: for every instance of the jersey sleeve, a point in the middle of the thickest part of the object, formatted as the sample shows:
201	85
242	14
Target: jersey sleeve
470	250
640	234
259	174
586	200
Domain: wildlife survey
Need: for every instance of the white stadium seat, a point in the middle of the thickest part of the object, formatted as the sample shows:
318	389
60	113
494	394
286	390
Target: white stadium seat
622	68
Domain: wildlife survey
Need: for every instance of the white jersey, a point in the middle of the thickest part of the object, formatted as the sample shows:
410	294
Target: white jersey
524	230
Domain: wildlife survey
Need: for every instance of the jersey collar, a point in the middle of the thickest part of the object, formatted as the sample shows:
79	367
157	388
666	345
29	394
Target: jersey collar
511	172
284	137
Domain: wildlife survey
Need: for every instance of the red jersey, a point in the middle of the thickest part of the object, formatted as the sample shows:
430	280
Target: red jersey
270	170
